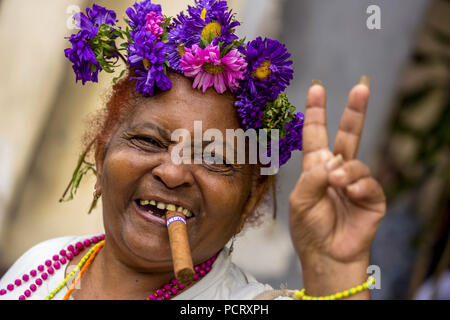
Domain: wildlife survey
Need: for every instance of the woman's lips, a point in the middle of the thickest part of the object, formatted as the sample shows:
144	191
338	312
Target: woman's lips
158	220
156	216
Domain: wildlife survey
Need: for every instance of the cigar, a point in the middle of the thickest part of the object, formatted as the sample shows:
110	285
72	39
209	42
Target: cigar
179	245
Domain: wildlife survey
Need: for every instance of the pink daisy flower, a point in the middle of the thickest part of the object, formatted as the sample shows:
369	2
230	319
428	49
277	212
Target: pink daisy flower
208	69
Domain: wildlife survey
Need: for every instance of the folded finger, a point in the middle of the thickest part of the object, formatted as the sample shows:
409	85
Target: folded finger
367	189
348	173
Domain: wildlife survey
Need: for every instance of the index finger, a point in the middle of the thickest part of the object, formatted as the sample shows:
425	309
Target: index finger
351	126
315	135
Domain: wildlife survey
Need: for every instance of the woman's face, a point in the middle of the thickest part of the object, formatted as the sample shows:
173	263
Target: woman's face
138	166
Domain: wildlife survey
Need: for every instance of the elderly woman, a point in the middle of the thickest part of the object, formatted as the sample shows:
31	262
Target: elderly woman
335	208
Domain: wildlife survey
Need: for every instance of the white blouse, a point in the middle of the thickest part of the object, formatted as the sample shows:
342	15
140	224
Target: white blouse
225	281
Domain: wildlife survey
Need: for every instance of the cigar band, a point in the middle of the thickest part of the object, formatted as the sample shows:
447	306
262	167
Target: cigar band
175	219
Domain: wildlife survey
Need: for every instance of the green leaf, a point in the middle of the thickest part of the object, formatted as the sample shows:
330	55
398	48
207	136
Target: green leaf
119	76
226	50
165	37
240	42
278	113
81	169
203	43
167	22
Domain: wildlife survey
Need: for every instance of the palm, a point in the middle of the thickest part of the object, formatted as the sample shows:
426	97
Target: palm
327	216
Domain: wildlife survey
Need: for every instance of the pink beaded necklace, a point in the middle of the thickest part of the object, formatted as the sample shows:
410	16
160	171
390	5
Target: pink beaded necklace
47	269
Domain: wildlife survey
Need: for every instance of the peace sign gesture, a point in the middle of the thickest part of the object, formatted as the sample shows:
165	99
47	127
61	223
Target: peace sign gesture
336	205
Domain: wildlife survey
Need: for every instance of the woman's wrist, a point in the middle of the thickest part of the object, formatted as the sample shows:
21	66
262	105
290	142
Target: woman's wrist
323	276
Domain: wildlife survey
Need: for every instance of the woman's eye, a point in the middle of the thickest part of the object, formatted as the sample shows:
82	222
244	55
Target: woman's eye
218	167
146	141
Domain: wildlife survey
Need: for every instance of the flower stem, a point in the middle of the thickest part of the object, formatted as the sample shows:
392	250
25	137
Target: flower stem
122	57
80	162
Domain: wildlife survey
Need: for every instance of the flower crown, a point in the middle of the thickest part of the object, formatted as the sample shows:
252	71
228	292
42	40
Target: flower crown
201	44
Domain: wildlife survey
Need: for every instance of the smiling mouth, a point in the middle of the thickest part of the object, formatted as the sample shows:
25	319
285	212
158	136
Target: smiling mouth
159	209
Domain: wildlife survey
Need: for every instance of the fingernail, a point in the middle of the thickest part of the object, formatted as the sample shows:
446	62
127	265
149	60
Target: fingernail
317	82
365	80
339	173
334	163
352	188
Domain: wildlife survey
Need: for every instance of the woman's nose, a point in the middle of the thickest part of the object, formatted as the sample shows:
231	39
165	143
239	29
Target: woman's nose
173	175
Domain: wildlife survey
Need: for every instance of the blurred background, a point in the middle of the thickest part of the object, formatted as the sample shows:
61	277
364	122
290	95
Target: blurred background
406	141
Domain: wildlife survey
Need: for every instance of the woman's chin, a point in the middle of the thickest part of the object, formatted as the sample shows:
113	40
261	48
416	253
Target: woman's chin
146	249
147	242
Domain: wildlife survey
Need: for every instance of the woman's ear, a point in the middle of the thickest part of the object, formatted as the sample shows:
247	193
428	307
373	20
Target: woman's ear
99	170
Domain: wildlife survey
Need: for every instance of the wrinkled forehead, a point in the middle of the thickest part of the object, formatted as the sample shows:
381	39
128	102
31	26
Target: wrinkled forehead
182	107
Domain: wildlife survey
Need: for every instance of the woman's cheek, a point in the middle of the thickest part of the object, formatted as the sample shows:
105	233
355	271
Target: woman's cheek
227	203
120	167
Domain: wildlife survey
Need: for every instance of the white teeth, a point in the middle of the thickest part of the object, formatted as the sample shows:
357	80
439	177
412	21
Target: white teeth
187	213
171	207
161	205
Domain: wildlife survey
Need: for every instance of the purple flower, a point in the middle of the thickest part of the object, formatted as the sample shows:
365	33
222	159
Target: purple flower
209	5
146	56
210	20
175	44
292	141
85	63
94	18
146	53
250	111
138	15
269	70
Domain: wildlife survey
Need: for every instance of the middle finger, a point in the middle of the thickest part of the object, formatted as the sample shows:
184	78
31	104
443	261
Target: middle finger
351	126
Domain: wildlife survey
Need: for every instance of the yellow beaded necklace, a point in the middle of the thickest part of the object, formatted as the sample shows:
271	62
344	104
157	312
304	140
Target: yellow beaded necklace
79	267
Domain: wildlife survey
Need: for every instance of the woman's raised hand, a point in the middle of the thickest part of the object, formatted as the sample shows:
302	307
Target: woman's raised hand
336	205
